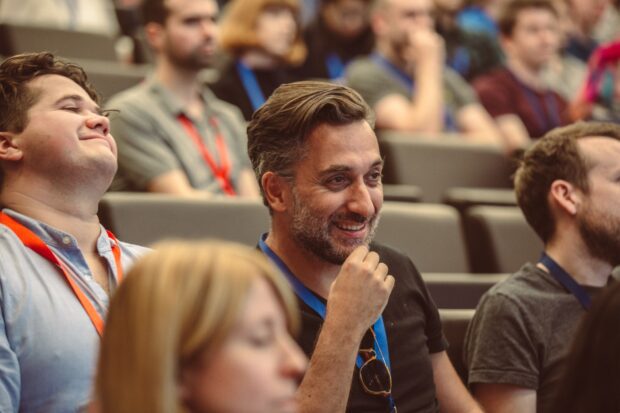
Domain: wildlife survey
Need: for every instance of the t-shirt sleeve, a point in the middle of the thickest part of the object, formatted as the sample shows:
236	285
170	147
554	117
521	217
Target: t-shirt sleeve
458	92
369	81
500	344
142	152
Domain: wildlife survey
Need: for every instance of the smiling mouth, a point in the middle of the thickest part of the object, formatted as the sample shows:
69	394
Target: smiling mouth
351	227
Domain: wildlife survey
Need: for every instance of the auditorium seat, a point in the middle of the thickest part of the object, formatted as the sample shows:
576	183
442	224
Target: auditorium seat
110	78
439	164
459	290
499	240
146	218
464	198
455	324
430	234
16	38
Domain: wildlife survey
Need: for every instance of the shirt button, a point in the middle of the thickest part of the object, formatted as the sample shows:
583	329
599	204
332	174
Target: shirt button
66	240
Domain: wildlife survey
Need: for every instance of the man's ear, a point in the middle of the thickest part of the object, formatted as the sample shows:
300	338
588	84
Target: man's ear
154	33
565	196
8	150
276	190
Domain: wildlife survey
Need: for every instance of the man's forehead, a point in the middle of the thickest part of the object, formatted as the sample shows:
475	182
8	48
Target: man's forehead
51	87
189	7
600	151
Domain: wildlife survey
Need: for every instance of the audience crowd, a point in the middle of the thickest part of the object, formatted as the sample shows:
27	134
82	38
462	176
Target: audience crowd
285	101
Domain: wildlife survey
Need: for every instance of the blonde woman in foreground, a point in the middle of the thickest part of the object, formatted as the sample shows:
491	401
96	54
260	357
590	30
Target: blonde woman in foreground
200	327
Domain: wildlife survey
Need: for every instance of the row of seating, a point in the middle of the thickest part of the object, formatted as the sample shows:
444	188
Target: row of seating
498	240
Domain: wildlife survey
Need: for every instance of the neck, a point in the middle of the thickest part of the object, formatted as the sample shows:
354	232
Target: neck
77	217
183	84
259	59
313	272
579	263
530	76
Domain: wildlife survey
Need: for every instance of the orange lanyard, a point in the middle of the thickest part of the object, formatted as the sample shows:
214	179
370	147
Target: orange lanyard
32	241
222	171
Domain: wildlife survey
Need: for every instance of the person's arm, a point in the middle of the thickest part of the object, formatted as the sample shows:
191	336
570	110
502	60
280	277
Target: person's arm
423	112
505	398
513	131
452	395
10	379
477	125
175	183
356	299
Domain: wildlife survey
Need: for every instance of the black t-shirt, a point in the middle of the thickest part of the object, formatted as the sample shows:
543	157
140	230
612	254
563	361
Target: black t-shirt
413	330
230	88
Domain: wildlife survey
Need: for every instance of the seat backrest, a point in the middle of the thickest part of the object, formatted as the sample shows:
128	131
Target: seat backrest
16	38
110	77
430	234
146	218
459	290
454	323
499	239
436	165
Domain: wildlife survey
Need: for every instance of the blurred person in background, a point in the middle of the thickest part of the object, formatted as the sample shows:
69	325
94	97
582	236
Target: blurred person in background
469	53
584	17
516	94
340	32
600	96
406	82
265	41
200	327
174	135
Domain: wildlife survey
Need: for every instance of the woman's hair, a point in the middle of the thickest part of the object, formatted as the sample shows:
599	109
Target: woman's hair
178	303
591	381
238	27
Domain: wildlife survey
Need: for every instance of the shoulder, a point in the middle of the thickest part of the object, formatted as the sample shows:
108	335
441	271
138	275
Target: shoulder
499	74
221	107
363	66
134	97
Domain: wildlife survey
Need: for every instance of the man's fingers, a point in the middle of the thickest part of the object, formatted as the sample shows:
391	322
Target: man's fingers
389	283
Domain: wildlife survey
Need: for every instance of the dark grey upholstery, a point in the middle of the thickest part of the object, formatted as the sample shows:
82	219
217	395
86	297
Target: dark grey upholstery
499	240
430	234
455	324
66	43
464	198
110	77
459	290
436	165
145	218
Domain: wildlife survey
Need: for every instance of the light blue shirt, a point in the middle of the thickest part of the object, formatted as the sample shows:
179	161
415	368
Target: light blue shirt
48	344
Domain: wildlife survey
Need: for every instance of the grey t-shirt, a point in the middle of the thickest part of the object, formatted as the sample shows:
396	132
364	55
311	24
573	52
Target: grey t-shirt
374	82
151	140
521	333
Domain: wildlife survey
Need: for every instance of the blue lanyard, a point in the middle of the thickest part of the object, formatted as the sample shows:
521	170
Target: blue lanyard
407	81
553	113
566	280
250	84
308	297
335	66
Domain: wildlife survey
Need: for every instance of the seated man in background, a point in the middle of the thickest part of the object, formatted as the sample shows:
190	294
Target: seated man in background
375	339
517	95
567	187
174	136
58	266
406	82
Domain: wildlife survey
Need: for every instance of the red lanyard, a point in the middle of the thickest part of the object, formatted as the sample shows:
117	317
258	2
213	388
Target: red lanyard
32	241
222	171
